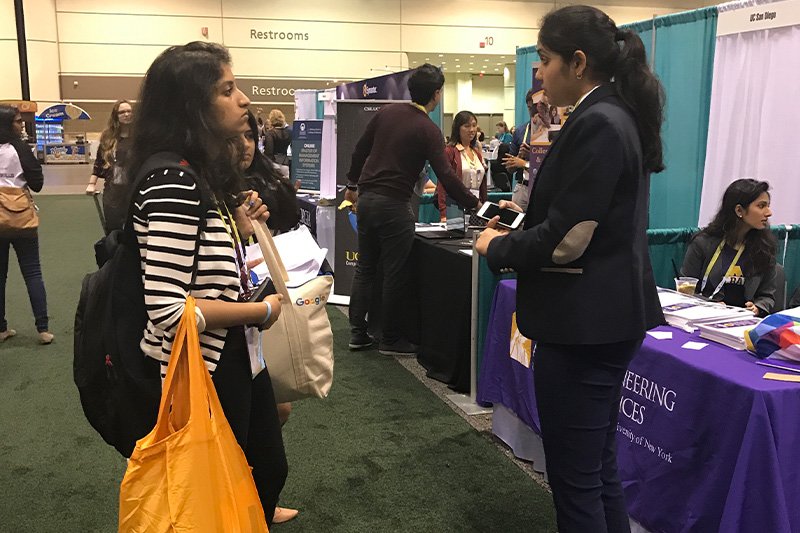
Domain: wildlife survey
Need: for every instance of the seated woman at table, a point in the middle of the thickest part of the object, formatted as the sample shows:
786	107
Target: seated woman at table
734	256
464	154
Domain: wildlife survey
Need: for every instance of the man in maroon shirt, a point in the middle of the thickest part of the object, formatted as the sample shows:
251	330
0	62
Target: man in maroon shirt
386	166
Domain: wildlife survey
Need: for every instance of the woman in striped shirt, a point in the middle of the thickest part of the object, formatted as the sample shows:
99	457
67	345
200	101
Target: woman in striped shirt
190	106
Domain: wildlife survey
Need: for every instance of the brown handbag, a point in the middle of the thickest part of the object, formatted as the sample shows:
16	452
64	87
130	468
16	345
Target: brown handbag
18	213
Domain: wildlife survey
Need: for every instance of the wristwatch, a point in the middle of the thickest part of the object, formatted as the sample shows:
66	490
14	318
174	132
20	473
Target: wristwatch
351	187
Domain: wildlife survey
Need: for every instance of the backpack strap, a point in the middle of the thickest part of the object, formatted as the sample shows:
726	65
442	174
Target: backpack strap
163	161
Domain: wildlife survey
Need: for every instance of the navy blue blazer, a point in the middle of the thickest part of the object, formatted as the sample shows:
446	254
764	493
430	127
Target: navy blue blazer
584	273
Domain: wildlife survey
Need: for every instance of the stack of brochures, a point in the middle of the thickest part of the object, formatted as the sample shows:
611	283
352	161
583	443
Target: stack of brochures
688	312
728	332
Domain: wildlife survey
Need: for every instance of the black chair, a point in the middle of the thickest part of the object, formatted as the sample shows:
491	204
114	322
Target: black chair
795	299
500	177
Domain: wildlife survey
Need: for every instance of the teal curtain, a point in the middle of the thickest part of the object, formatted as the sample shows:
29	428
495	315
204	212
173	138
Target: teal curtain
526	57
684	62
789	255
667	249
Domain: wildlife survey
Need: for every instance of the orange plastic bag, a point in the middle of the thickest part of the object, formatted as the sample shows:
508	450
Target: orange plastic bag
189	473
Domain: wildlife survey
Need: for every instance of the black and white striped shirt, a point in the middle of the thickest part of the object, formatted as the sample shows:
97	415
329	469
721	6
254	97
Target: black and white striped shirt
166	218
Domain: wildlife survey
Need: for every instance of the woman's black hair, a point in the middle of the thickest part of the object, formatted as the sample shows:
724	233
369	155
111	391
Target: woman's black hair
760	243
259	165
612	54
7	114
174	113
273	189
461	118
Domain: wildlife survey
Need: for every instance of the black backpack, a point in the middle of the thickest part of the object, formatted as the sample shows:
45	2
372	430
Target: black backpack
119	387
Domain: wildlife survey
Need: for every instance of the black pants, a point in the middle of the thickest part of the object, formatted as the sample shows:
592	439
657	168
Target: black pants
249	406
27	250
385	237
578	392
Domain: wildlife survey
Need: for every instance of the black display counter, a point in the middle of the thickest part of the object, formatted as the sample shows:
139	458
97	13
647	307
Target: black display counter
436	314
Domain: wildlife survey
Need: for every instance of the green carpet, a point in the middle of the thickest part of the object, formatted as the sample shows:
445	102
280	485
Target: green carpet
381	454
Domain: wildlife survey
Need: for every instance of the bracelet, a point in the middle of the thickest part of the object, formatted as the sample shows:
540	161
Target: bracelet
269	314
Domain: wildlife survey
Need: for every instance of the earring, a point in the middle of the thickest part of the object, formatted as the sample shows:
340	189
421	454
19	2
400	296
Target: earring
579	76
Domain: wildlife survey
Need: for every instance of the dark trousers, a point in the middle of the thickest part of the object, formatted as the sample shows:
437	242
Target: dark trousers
249	406
578	392
27	250
385	238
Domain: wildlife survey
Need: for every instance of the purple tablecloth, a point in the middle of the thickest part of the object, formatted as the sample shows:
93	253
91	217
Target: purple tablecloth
704	442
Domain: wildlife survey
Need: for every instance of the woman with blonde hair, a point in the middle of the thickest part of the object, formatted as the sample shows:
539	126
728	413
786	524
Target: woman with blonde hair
277	138
109	165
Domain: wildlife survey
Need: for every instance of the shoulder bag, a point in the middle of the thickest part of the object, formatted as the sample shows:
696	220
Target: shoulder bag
298	348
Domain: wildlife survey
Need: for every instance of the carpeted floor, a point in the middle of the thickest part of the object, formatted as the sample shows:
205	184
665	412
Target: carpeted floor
381	454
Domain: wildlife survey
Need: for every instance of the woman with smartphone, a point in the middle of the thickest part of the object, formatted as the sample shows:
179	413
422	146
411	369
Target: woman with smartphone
463	152
585	289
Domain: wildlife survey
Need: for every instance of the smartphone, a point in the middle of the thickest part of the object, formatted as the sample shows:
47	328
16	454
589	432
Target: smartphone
262	291
509	218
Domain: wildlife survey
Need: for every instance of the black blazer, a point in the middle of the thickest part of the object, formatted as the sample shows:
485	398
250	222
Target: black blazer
584	273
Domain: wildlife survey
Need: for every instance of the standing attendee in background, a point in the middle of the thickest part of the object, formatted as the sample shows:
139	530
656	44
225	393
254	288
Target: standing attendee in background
275	190
190	106
516	161
502	135
464	155
734	256
277	138
109	165
480	135
386	166
585	289
20	169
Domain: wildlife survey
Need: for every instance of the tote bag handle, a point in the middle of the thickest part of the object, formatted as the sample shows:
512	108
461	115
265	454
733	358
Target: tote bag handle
273	259
188	390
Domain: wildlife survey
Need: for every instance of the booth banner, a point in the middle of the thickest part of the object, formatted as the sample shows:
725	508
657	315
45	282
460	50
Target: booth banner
307	153
544	125
352	117
388	87
762	16
346	249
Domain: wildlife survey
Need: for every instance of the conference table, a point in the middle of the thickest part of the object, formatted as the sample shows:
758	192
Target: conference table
705	443
436	313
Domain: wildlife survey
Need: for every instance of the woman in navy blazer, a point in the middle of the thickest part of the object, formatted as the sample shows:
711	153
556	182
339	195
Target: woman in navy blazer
585	289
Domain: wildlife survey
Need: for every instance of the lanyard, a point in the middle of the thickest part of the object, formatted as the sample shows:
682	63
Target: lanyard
421	108
728	272
527	129
233	232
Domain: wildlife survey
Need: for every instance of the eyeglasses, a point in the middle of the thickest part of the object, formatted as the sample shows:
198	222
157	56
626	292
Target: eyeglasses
18	121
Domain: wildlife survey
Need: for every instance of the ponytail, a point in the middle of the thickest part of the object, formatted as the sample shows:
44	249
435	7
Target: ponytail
640	89
612	54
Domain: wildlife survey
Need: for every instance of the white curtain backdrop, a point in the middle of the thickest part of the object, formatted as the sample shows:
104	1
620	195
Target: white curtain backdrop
754	123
